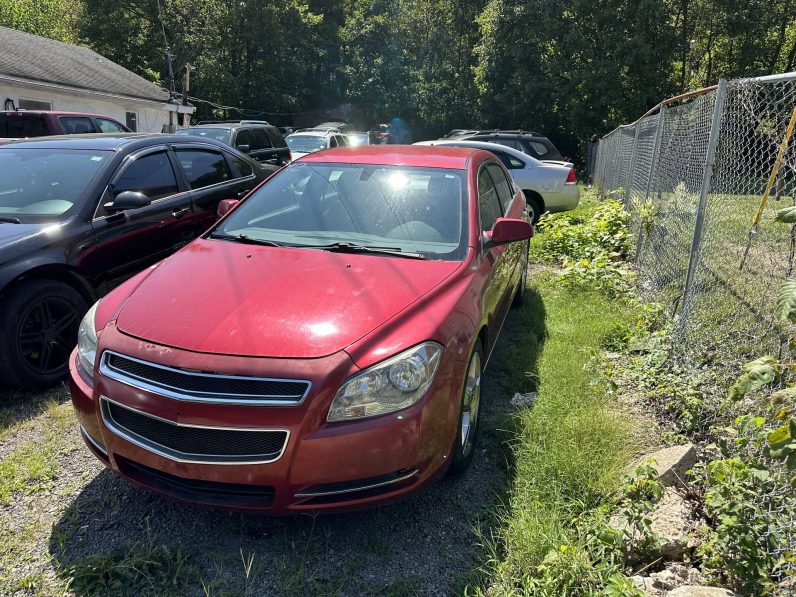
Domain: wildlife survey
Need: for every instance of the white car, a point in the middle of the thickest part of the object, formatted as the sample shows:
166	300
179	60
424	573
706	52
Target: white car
310	140
548	186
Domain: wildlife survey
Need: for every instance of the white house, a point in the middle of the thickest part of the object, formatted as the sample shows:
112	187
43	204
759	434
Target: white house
37	73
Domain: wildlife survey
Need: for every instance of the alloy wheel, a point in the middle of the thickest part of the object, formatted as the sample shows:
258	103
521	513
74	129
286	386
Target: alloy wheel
471	404
47	334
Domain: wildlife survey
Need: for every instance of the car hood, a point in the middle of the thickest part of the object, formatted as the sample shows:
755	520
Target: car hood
222	297
12	235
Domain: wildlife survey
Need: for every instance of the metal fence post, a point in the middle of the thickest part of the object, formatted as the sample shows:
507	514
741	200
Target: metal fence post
656	149
707	176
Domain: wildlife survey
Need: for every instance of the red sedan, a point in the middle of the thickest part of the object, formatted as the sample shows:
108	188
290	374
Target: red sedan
321	347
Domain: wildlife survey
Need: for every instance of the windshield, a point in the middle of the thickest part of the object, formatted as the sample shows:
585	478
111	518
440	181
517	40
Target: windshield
45	184
417	210
217	134
306	143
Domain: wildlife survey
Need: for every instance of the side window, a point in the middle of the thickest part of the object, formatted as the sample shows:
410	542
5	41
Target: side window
203	167
502	185
332	141
261	140
342	141
75	125
109	126
509	161
488	206
244	137
240	168
277	140
540	148
149	174
507	142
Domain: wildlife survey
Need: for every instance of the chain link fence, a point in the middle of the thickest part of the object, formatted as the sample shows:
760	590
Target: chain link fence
703	176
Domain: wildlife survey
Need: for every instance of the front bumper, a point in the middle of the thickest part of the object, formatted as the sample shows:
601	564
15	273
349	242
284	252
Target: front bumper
321	467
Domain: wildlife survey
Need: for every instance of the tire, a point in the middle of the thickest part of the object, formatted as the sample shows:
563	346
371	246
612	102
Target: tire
519	294
534	209
469	408
39	320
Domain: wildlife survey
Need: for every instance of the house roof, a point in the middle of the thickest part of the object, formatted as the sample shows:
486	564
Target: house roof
34	58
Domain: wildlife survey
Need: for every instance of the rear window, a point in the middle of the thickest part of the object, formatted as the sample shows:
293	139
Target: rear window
217	134
17	126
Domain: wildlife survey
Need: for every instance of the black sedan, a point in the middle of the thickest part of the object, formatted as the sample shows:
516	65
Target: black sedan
80	214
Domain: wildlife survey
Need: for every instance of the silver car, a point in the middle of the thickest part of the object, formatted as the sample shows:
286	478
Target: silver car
548	186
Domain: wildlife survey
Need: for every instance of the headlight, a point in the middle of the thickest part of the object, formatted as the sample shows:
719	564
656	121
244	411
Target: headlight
87	341
391	385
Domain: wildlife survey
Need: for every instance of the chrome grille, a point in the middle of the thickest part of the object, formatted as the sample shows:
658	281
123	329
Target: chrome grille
202	386
193	443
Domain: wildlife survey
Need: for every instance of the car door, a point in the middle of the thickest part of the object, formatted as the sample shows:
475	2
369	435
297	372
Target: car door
512	253
132	239
265	152
211	177
493	259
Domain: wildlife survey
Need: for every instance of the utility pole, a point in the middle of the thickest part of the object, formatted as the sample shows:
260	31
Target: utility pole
186	86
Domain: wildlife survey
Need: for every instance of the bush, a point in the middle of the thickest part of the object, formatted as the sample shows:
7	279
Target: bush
590	244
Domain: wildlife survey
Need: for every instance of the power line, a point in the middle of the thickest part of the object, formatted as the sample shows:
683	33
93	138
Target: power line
248	111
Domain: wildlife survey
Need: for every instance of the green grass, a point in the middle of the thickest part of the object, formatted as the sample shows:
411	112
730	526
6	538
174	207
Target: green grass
571	448
33	464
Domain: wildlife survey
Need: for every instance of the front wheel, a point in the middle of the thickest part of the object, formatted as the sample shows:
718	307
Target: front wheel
38	330
469	409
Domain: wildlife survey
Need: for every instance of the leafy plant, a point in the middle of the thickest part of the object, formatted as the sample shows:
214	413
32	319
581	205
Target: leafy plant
786	299
756	374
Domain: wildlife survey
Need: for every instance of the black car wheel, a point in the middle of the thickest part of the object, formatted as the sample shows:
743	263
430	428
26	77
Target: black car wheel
469	409
534	209
38	330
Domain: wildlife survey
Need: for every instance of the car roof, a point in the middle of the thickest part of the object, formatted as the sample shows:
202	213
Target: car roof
57	113
505	134
104	141
314	133
398	155
485	145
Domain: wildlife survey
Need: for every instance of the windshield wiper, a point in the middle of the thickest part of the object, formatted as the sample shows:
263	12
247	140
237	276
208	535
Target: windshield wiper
9	220
243	238
347	247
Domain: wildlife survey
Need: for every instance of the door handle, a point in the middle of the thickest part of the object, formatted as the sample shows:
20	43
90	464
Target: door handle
181	212
243	193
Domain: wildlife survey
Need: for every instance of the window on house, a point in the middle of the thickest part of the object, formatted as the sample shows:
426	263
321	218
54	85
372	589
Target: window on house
26	104
131	120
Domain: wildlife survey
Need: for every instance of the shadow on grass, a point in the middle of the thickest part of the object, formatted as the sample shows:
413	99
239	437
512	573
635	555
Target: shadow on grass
120	538
18	406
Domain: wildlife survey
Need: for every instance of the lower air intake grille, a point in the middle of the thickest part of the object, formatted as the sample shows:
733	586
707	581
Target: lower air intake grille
197	444
209	493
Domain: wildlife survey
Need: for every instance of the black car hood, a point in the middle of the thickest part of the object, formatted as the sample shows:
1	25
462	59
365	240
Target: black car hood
13	235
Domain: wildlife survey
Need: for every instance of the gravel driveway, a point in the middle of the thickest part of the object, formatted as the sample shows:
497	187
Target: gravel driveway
86	519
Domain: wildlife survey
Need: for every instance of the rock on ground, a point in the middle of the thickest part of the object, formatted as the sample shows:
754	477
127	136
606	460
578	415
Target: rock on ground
700	591
671	464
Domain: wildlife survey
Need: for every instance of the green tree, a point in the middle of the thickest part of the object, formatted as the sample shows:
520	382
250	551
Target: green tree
49	18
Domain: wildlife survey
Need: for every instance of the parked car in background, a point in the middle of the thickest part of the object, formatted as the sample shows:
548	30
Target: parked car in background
337	362
257	139
534	144
22	124
547	186
459	133
342	127
358	138
80	214
311	140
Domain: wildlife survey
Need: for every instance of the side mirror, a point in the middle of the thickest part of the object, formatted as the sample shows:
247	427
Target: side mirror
225	206
507	230
128	200
242	148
